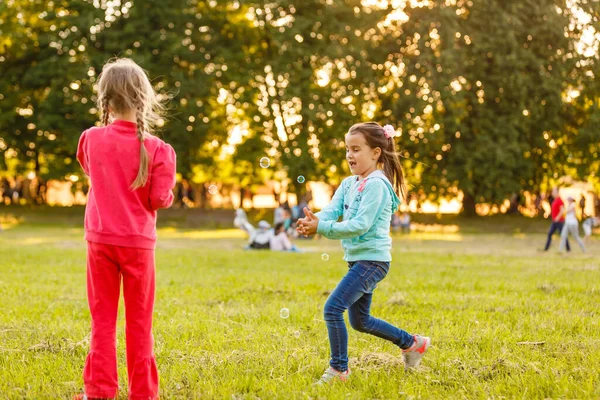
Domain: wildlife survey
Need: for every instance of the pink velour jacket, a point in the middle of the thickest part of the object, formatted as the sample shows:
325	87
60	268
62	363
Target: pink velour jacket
115	214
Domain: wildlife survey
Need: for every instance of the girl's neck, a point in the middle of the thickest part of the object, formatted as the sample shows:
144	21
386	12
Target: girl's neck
367	173
126	116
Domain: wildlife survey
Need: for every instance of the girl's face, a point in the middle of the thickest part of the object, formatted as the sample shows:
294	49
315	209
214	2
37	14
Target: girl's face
361	158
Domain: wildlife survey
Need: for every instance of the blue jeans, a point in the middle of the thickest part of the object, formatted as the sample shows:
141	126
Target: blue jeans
354	293
555	227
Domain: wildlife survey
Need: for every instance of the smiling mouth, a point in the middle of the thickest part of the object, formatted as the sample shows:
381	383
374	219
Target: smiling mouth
352	164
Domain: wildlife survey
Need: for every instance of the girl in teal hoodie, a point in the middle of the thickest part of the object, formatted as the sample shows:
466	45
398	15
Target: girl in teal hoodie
365	202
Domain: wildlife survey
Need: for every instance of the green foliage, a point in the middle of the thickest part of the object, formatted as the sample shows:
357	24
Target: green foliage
308	71
44	107
492	98
483	103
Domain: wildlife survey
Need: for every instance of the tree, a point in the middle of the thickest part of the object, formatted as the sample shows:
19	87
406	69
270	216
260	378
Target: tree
43	109
308	69
482	95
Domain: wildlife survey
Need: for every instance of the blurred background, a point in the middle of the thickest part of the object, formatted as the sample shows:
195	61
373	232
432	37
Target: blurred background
494	102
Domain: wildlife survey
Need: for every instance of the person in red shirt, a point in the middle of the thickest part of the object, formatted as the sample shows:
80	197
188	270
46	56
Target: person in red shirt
558	218
132	174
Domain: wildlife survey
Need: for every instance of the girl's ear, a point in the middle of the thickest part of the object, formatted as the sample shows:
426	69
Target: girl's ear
376	153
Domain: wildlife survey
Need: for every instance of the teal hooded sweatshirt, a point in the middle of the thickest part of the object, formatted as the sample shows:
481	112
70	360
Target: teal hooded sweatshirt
366	207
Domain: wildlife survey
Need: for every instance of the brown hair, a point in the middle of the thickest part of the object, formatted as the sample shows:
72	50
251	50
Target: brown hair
124	87
375	137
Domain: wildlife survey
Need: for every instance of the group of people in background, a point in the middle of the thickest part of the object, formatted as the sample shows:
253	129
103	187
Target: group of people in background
279	236
265	237
565	221
401	222
31	191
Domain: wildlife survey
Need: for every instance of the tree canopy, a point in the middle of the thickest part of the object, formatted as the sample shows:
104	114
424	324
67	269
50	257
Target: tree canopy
488	98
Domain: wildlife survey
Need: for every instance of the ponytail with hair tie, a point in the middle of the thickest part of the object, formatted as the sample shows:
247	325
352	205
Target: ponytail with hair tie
389	131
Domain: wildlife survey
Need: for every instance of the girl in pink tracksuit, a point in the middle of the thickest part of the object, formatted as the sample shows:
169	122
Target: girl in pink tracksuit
132	174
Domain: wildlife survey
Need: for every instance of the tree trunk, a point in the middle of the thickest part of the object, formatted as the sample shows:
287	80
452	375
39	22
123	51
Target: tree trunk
203	197
37	195
242	197
37	163
468	205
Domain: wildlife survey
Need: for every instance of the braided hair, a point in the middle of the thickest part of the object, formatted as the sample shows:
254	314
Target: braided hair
123	86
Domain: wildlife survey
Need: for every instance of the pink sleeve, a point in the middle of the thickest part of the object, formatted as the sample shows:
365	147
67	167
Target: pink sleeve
81	156
162	177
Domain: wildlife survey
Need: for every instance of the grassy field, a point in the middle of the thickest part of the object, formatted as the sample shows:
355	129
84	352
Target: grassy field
219	333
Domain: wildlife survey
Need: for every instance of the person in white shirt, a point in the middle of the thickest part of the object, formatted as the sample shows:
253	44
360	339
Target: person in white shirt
241	221
262	237
280	241
571	226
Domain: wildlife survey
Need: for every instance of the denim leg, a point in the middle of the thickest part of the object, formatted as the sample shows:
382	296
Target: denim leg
556	227
346	292
361	320
553	228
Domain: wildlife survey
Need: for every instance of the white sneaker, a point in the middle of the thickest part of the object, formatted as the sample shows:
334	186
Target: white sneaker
413	355
331	375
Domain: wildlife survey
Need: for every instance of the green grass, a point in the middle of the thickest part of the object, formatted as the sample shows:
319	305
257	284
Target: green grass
197	218
219	334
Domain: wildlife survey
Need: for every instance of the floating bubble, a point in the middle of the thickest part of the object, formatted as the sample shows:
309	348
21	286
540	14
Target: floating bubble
300	179
325	257
265	162
213	189
297	334
284	313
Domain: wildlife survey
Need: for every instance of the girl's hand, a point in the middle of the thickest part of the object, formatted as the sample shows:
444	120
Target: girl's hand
300	225
308	226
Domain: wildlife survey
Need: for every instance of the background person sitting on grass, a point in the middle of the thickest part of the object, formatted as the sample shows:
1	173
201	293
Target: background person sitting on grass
280	240
261	238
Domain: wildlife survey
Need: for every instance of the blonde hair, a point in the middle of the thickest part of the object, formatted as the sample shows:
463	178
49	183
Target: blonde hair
124	87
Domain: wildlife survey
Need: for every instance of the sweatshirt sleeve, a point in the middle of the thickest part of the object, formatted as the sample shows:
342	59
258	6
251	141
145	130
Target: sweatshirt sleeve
373	195
334	210
162	177
81	156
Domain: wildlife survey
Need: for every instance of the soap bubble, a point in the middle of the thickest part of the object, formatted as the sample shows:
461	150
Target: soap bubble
297	334
300	179
325	257
284	313
265	162
213	189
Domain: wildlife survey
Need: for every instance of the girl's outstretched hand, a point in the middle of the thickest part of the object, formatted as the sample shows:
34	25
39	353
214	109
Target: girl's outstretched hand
300	225
307	226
